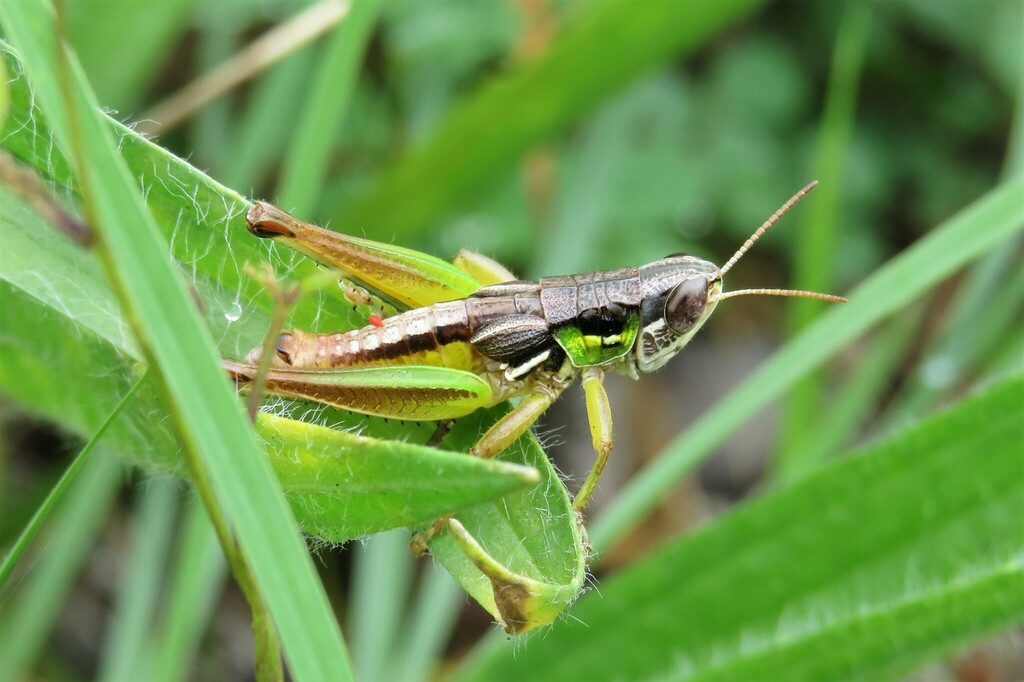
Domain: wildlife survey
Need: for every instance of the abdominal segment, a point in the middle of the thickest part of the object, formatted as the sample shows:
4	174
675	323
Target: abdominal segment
437	335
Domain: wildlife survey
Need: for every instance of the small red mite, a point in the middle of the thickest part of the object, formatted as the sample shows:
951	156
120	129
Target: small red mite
376	321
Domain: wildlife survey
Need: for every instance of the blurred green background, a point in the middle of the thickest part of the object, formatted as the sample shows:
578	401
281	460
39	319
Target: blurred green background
430	125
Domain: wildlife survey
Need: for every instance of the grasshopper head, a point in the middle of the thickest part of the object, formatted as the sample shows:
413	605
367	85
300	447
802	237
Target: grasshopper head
681	291
679	294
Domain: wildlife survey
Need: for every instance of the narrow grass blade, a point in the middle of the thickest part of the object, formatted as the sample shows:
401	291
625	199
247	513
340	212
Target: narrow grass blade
1015	153
987	308
871	566
816	249
197	578
381	577
202	406
972	232
1008	358
139	591
316	131
852	405
28	618
57	492
428	627
572	244
267	117
238	66
209	124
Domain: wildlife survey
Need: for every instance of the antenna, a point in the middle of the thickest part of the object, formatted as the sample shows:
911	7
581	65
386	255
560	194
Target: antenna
767	225
789	293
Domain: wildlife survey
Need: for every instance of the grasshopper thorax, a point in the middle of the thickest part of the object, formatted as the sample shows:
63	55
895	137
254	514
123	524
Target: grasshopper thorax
679	294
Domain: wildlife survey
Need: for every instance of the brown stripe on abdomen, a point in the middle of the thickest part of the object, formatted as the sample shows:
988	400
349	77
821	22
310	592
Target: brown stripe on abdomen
422	336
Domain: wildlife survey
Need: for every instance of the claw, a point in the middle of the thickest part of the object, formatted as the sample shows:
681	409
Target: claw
420	544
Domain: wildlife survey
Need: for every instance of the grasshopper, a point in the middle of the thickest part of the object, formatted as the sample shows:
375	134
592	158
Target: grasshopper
473	336
481	337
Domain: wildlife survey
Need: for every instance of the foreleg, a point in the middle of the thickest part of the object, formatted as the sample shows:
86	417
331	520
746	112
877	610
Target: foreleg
509	428
599	414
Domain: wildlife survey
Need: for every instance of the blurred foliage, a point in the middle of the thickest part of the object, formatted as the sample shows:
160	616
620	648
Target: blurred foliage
688	153
709	146
706	147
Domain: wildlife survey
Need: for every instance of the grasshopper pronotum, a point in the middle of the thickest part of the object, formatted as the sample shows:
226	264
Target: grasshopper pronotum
473	336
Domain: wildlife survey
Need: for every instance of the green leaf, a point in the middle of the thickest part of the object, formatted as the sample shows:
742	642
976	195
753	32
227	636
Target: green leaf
533	533
863	570
346	485
976	229
513	112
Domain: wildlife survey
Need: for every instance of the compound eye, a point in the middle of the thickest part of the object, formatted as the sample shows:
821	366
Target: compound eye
685	304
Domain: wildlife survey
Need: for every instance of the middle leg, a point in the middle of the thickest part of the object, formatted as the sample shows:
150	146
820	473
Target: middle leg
496	440
509	428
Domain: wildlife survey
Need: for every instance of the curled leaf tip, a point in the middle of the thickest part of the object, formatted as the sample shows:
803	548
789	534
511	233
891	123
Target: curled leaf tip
522	603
